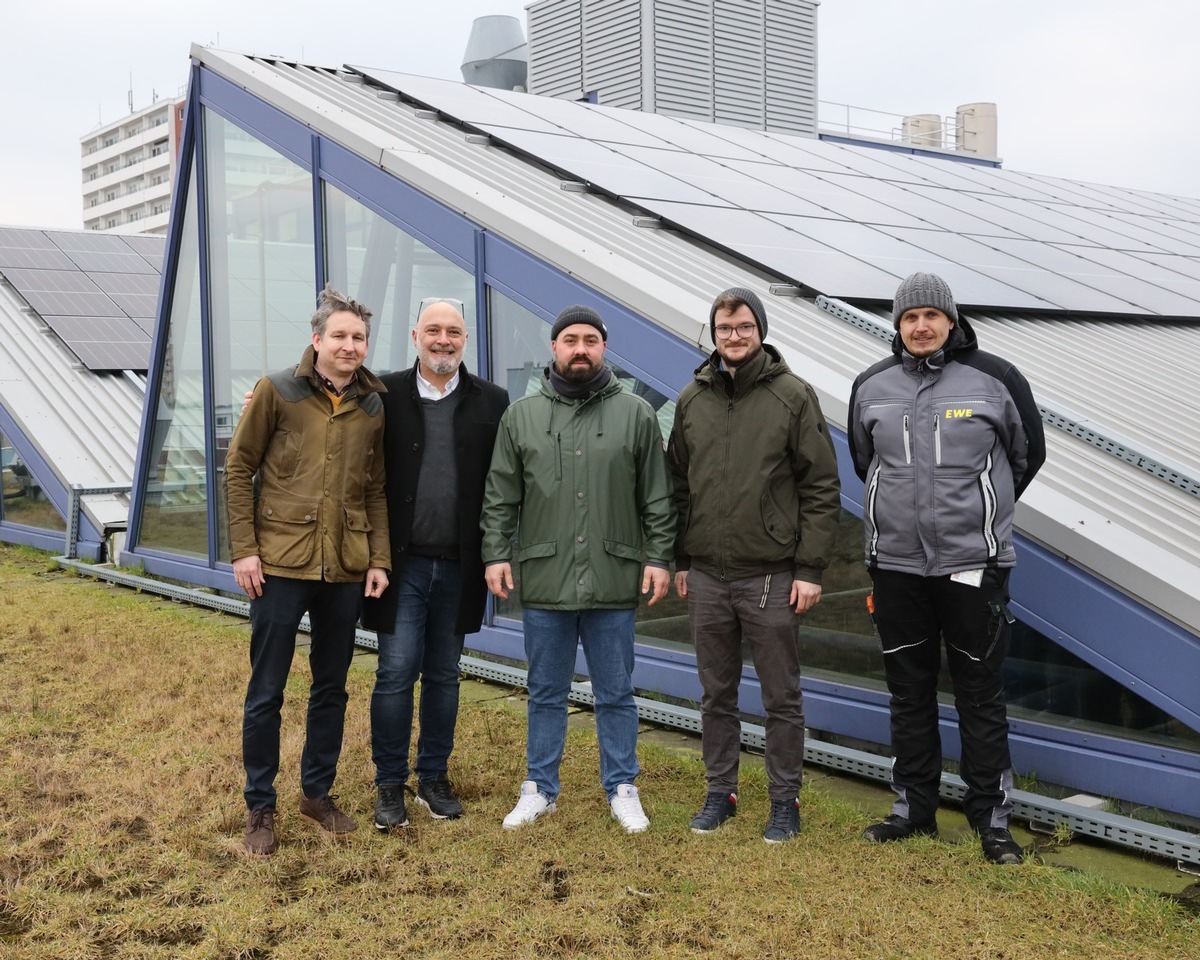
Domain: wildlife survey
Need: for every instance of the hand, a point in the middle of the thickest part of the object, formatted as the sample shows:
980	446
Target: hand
805	595
499	579
681	583
247	571
655	579
246	400
377	581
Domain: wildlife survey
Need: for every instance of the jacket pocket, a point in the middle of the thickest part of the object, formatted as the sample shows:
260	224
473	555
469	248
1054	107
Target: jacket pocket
779	527
535	551
623	550
356	545
287	531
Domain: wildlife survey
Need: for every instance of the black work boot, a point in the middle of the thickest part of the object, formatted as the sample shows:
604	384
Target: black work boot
895	827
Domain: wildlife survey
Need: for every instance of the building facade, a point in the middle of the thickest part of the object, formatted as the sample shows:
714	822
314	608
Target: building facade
395	188
128	167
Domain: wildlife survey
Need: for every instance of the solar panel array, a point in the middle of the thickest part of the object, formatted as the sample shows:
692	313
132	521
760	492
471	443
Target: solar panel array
97	291
850	221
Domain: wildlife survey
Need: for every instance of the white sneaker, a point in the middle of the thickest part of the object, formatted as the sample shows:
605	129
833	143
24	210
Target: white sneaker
627	809
531	806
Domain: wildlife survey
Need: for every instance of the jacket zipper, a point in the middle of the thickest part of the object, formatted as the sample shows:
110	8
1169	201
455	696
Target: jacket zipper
907	442
937	439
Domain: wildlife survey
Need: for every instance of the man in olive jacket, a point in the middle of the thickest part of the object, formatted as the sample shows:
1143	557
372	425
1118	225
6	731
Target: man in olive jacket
317	528
580	477
441	426
756	486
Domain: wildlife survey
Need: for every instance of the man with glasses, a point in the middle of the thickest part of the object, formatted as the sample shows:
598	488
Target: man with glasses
757	494
440	427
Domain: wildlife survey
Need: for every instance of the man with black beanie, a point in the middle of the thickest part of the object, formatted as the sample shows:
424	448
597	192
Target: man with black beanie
579	477
756	489
946	438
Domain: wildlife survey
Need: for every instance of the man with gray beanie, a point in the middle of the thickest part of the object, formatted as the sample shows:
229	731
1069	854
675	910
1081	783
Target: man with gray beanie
578	476
756	489
946	438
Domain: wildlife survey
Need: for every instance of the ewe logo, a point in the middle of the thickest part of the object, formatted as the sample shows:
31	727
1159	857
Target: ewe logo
956	413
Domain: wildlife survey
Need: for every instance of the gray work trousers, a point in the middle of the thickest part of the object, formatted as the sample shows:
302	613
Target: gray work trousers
722	615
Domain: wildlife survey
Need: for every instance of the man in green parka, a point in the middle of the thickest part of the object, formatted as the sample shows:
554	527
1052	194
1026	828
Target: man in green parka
756	486
579	476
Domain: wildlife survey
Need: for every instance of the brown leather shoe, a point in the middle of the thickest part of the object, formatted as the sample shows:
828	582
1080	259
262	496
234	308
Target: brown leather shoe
259	838
324	813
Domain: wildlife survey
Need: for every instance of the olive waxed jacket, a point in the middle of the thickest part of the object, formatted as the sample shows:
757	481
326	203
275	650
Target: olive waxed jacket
319	512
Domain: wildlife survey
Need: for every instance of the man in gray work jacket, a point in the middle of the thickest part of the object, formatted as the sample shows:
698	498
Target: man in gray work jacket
756	487
946	438
580	477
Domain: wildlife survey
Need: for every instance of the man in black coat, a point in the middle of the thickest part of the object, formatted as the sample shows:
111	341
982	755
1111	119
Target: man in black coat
441	425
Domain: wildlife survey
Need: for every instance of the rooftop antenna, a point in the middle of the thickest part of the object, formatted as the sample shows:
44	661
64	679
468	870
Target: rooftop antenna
131	92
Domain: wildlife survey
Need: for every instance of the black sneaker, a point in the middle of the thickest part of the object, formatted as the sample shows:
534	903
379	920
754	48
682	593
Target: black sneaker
896	827
390	811
1000	847
784	822
718	807
437	796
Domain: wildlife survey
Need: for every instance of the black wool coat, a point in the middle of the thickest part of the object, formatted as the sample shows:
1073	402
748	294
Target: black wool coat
476	420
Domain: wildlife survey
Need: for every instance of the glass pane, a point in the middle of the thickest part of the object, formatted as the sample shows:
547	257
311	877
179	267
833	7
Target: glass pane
378	264
175	510
520	342
262	275
1042	681
24	502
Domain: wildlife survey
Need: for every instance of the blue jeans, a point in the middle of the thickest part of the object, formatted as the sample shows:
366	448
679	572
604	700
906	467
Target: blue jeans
422	644
551	640
333	610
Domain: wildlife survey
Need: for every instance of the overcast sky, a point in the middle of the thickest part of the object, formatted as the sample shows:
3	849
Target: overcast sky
1096	90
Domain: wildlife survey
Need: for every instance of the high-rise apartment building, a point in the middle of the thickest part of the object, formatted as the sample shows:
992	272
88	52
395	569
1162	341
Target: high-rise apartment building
128	167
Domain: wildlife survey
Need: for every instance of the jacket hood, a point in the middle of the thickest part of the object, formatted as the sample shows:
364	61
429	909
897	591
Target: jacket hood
767	365
961	339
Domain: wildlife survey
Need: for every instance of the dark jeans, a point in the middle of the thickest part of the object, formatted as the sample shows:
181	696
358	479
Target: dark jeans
722	615
333	610
422	644
914	615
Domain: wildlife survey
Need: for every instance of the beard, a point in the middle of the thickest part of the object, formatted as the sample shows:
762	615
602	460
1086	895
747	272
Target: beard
578	373
439	363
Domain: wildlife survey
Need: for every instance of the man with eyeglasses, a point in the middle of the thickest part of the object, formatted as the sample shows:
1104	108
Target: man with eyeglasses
440	428
757	494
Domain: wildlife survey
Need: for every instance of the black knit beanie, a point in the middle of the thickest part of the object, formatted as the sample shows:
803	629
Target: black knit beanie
750	299
578	314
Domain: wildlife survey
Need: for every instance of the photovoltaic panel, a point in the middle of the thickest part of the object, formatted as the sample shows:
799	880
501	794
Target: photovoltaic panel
104	343
121	261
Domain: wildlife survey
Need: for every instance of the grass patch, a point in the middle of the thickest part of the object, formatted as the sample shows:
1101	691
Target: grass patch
121	819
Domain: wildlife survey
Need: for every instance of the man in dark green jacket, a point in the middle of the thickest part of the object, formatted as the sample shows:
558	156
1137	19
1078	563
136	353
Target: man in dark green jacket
579	476
756	487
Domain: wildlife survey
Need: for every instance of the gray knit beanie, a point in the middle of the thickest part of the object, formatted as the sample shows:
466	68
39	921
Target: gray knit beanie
750	299
578	314
923	290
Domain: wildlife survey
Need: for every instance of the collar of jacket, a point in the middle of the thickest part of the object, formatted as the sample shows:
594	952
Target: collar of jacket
367	381
767	365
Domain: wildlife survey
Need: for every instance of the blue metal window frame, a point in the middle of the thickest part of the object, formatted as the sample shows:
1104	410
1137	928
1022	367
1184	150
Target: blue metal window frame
56	492
1141	772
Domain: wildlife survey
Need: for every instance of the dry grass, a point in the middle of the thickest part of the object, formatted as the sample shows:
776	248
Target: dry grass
121	818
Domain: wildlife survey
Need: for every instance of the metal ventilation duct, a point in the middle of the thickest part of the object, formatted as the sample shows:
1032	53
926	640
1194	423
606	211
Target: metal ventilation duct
496	54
